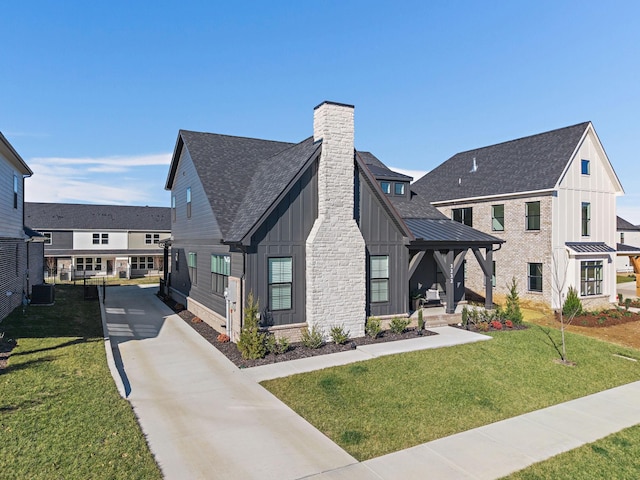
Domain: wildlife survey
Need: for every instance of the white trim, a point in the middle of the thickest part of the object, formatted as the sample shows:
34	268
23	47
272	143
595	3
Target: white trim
530	193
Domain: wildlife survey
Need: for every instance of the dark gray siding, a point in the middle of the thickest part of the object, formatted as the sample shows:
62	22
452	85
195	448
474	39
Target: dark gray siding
283	234
383	238
427	276
60	240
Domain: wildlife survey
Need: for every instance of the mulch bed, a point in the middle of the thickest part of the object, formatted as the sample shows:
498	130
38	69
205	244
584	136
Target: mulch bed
606	318
296	351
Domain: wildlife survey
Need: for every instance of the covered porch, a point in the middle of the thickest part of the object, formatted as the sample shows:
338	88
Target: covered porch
437	256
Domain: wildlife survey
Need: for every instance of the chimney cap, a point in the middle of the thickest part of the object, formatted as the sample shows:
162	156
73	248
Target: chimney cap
327	102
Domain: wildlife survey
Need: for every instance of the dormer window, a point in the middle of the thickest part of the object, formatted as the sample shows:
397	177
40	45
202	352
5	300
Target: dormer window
398	188
586	167
386	187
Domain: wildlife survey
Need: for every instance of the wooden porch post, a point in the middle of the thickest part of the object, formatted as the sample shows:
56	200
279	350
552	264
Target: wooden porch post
449	264
486	264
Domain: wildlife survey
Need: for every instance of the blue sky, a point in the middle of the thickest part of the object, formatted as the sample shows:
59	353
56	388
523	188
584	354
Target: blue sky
92	94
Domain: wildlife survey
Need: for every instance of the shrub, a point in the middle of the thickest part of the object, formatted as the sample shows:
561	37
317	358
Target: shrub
627	303
313	338
508	323
399	325
252	342
512	310
223	338
572	305
373	327
339	335
465	315
277	346
496	325
483	326
420	320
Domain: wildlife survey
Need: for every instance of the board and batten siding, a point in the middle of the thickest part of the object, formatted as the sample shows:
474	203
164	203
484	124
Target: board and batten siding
283	234
11	220
382	237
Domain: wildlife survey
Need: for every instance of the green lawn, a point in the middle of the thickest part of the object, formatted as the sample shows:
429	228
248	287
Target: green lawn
60	413
614	457
392	403
625	278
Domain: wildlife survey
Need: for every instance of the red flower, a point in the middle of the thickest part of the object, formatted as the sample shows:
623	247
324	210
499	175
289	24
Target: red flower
509	324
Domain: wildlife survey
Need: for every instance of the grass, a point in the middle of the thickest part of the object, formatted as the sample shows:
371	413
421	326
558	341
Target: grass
60	413
391	403
616	456
625	278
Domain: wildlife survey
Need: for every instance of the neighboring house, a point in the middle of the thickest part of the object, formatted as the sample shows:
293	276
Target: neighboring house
552	198
101	240
13	241
312	230
628	244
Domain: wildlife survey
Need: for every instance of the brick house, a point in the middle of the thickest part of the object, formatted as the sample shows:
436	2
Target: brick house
320	233
552	198
14	254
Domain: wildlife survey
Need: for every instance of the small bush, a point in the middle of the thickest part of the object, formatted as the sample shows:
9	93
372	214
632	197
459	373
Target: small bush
339	335
508	324
572	305
483	326
277	346
252	342
399	325
420	320
627	303
512	310
373	327
196	320
223	338
313	338
465	315
496	325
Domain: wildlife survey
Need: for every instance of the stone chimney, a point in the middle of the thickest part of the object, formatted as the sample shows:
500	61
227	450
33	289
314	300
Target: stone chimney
335	249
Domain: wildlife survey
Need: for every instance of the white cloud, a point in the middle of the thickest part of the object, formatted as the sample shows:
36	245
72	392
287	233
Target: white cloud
99	180
416	174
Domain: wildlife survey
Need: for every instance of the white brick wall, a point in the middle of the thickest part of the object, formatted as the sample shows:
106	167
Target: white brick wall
335	249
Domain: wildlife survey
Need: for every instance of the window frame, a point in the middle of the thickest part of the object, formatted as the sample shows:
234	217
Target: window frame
379	280
530	225
531	277
173	207
585	219
402	189
386	187
220	272
585	167
192	263
495	218
188	202
465	215
597	267
16	191
284	283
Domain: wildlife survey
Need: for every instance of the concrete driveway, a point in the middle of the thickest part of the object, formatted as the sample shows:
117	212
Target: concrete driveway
202	416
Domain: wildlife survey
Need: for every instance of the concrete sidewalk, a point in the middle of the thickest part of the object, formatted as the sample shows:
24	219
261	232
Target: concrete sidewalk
205	418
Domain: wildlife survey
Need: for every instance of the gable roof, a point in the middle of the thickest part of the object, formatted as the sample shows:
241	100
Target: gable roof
527	164
72	216
8	152
242	177
380	170
622	224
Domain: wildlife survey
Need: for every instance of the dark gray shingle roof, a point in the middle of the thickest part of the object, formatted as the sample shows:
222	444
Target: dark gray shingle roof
526	164
628	249
72	216
225	166
380	170
622	224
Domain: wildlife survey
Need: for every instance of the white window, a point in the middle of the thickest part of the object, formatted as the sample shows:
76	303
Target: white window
591	278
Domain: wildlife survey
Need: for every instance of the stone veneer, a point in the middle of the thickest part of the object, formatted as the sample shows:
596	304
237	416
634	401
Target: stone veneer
335	249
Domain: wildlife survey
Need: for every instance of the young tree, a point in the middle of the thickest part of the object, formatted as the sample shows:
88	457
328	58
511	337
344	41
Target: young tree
512	311
570	307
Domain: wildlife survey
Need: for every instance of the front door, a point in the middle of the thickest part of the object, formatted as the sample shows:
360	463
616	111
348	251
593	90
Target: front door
109	267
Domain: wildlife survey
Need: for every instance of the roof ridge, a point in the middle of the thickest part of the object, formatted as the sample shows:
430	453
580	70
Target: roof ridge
523	138
182	130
